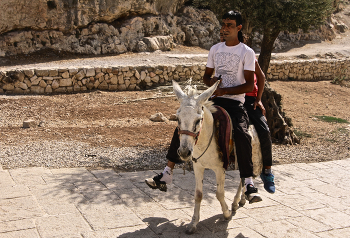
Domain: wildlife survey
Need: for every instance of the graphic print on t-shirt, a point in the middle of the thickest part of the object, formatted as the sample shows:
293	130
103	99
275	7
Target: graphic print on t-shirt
227	66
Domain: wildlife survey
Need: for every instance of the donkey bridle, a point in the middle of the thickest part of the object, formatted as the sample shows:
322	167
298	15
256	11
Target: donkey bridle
195	136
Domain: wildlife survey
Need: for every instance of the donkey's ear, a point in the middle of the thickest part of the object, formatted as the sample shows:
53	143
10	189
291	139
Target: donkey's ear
178	91
207	93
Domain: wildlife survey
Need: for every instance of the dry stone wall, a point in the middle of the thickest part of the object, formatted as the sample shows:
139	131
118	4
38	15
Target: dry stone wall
313	69
48	81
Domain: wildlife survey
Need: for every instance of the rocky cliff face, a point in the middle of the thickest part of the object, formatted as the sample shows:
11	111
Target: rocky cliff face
65	15
103	27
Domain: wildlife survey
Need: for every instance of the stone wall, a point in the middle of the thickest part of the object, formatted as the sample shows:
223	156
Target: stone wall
48	81
313	69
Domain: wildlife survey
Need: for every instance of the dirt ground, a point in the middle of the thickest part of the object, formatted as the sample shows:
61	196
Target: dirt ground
121	119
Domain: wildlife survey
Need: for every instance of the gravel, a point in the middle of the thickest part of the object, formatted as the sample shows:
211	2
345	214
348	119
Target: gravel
57	154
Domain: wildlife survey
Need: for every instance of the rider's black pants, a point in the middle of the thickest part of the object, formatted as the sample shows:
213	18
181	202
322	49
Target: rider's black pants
242	139
259	121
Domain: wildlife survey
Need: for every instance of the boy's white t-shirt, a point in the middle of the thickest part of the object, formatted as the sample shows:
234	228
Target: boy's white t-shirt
230	62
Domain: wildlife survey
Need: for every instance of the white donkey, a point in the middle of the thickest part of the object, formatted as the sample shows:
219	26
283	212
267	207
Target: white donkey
197	142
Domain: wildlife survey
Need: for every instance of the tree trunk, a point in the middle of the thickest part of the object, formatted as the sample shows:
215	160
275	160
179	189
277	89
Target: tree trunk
247	31
269	39
278	123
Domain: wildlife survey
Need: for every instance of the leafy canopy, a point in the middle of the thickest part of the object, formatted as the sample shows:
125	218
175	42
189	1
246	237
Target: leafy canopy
282	15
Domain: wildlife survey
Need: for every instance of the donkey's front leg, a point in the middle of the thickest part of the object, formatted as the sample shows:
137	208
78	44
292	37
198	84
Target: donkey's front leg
239	199
220	191
198	172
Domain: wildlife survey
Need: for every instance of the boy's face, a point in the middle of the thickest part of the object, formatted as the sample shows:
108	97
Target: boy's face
229	29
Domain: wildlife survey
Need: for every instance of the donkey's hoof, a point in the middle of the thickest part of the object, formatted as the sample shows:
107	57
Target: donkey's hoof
242	203
191	229
234	207
228	215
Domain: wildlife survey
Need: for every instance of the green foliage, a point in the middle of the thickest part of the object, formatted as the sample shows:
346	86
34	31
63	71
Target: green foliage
331	119
285	15
270	17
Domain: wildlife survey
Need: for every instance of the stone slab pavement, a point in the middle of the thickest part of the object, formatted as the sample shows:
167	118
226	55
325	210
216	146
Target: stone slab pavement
312	200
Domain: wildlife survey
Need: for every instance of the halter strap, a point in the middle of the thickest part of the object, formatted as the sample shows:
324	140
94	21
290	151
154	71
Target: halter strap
189	133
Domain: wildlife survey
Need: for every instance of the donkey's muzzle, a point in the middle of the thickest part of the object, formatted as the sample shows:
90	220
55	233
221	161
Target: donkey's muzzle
184	153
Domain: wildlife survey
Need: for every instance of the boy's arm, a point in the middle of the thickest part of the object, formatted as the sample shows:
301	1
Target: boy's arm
248	86
260	76
207	79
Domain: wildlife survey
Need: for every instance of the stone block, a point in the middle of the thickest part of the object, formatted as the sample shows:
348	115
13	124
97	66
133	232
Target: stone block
29	123
48	89
114	79
113	87
90	73
42	84
37	90
80	75
60	90
103	86
117	216
42	72
53	73
65	225
73	72
35	80
21	85
65	75
18	91
155	79
55	84
137	74
29	72
66	82
143	75
122	87
76	88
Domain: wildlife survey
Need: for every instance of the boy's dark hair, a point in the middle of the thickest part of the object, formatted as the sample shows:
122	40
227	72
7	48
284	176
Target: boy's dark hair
234	15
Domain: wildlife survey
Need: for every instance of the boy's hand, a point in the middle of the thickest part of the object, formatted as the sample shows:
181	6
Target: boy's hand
219	91
261	106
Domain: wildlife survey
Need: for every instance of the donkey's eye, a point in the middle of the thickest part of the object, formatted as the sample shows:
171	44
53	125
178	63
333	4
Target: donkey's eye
197	124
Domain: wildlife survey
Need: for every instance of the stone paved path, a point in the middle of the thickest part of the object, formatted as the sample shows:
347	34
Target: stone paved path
312	200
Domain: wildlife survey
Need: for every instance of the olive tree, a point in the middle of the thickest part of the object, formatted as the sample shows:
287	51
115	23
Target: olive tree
269	18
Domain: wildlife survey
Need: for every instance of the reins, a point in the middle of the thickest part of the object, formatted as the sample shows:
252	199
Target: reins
211	138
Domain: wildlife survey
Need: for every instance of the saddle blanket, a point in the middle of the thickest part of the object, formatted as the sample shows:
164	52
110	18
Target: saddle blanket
223	127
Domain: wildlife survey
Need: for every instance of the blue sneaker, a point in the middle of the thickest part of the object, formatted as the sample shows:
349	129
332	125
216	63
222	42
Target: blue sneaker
269	183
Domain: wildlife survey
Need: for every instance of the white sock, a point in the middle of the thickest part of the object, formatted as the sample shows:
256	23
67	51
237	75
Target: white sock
248	180
167	175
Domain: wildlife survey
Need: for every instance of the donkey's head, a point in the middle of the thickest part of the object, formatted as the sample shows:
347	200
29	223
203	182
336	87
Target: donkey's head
190	117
